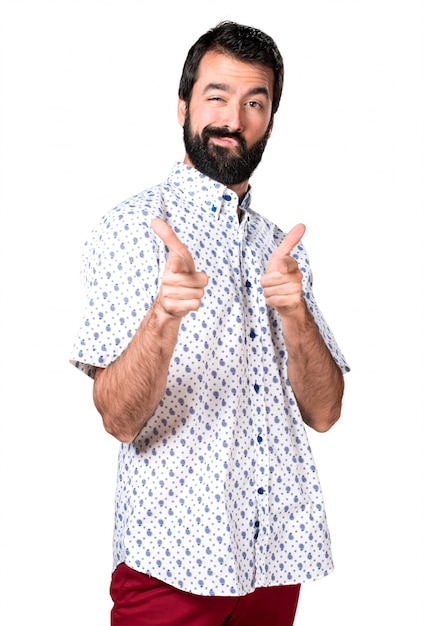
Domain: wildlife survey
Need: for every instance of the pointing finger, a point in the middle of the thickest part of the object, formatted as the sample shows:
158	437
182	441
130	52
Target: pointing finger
280	259
291	240
175	246
169	238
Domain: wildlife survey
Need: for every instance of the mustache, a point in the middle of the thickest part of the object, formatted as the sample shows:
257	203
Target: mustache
216	131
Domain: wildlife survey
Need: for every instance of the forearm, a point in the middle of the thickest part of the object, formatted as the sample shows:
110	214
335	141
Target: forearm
315	378
127	392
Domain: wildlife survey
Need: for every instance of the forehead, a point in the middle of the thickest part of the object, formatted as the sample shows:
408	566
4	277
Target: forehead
219	68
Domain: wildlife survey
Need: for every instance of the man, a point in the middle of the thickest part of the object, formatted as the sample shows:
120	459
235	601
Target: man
208	354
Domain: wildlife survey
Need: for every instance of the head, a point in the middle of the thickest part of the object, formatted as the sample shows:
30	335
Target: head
243	43
238	57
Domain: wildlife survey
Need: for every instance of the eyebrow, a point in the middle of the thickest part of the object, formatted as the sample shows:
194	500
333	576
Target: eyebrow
224	87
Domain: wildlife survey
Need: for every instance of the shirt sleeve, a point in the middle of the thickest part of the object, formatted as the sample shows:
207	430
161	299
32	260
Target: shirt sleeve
301	256
322	325
326	333
120	273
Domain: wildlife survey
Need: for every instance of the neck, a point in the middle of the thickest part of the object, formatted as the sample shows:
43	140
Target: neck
240	189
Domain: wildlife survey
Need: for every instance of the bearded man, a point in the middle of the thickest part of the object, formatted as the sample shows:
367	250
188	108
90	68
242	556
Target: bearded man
209	355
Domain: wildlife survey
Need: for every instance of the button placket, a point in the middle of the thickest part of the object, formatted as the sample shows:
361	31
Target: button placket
257	404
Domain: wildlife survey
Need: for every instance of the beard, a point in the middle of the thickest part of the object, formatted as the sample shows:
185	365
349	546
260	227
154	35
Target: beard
218	162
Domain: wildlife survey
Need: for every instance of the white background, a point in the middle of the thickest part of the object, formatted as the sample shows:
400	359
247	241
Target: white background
88	118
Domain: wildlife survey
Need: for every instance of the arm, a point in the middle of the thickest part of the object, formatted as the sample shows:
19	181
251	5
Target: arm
127	392
316	379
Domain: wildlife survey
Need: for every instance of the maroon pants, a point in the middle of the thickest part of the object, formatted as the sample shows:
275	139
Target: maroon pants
140	600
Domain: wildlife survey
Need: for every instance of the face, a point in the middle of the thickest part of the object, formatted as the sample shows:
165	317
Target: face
228	122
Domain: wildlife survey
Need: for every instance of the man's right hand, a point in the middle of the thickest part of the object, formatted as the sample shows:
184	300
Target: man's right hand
182	287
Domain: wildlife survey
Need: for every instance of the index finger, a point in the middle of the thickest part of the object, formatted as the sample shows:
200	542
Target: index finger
169	238
292	238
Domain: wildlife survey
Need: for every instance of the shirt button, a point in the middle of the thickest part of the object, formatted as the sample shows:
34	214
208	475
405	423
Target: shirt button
260	439
261	491
256	387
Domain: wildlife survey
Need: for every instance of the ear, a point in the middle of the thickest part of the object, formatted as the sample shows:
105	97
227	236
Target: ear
181	111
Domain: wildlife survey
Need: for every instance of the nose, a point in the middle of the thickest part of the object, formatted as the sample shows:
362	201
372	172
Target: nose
232	118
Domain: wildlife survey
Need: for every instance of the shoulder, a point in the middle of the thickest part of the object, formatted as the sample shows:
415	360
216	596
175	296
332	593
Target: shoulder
139	208
132	215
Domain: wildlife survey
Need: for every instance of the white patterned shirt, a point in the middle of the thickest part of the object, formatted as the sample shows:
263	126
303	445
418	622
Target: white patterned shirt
219	493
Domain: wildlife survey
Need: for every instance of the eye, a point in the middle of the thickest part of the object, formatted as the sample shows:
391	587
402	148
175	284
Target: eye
254	104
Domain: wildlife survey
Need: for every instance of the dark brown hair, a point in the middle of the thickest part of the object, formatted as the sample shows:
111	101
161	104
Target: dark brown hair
243	43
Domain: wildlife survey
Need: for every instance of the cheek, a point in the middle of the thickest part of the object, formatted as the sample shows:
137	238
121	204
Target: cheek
203	119
257	132
202	115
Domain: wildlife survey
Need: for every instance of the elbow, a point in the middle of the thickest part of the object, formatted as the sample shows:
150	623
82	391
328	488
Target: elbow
323	425
324	418
115	428
121	434
323	421
113	423
120	425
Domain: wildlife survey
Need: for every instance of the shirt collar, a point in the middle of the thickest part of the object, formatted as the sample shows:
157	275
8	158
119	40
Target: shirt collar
202	191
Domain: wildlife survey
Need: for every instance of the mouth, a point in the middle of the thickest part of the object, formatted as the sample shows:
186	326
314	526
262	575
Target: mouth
225	142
